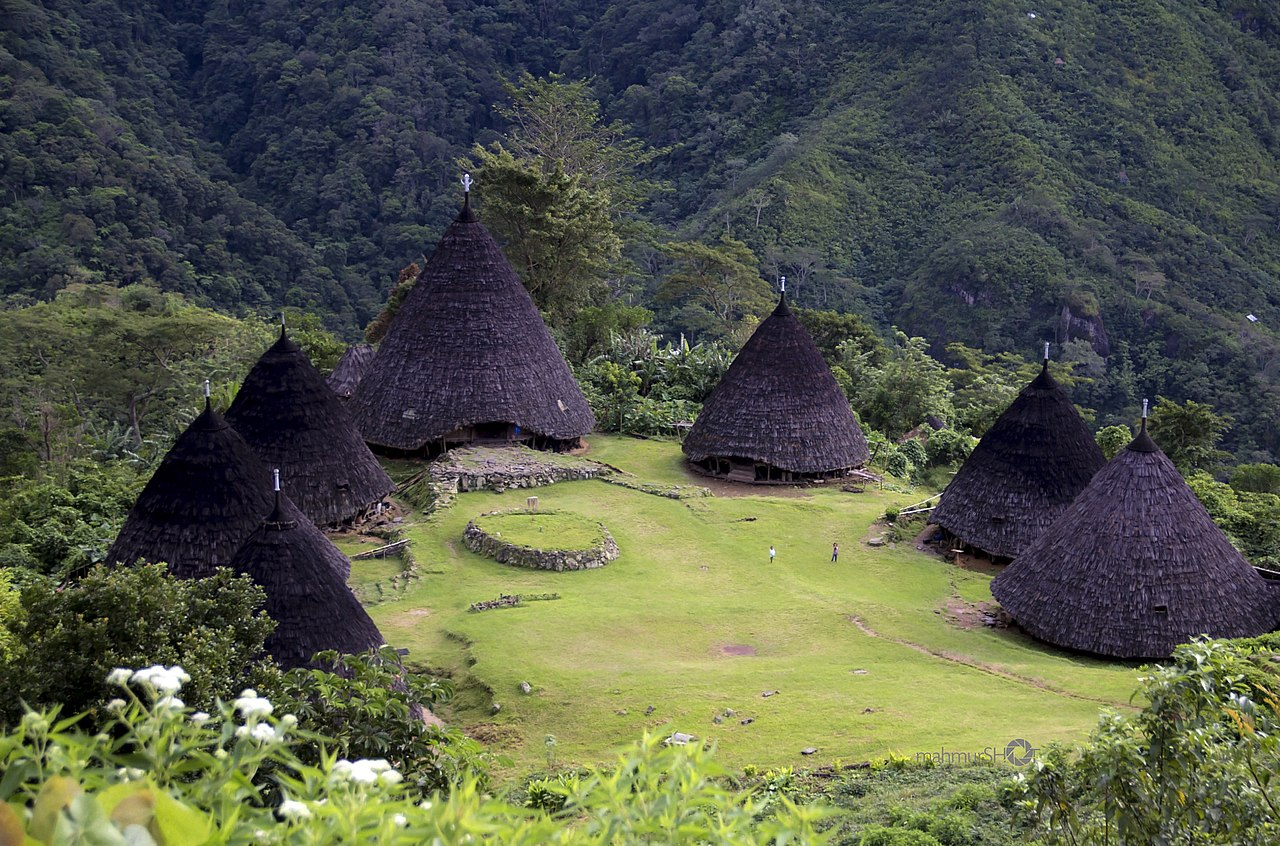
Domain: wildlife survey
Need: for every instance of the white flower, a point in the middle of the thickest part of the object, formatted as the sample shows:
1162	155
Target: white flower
251	705
200	718
365	771
161	679
129	773
289	720
116	705
170	703
400	820
119	676
362	773
292	809
220	754
425	804
263	733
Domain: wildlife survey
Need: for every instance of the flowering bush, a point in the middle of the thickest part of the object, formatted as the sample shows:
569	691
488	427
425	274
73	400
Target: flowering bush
163	774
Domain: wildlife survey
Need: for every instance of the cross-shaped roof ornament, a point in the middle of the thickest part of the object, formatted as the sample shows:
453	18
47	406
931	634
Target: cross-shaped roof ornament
467	182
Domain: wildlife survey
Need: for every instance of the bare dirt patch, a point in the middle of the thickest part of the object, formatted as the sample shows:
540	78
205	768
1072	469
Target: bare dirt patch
492	734
409	618
968	615
737	649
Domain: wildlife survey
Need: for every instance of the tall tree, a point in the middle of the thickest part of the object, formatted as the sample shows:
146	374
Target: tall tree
559	190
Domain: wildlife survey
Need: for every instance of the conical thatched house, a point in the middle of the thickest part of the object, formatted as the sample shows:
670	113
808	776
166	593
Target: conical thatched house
350	370
300	572
778	416
468	359
1134	567
208	494
1023	474
286	412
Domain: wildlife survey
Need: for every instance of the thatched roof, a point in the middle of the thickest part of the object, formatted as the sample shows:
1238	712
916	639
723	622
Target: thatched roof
301	573
287	413
1134	567
467	347
350	370
779	404
208	494
1023	474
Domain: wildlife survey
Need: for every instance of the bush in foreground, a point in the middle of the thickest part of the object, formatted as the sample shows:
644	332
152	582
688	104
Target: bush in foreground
161	774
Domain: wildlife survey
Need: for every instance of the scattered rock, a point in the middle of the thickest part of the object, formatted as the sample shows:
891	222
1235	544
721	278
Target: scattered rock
859	672
495	708
746	520
808	750
748	721
649	710
769	693
717	719
679	738
868	710
729	712
875	541
525	687
621	712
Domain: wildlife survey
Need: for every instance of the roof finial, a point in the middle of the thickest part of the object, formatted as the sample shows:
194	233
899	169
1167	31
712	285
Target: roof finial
467	182
275	479
1144	414
282	326
1046	350
208	403
782	284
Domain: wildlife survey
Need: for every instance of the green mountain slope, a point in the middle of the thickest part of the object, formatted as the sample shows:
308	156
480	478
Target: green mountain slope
984	171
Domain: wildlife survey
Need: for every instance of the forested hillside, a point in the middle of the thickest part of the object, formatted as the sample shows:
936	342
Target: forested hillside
994	173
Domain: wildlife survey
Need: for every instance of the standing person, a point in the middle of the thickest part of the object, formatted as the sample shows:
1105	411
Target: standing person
835	552
772	553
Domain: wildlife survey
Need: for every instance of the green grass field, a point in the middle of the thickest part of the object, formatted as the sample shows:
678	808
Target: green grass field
542	530
870	655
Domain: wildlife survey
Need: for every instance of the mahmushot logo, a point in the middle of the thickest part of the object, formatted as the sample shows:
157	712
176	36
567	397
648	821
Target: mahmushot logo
1016	753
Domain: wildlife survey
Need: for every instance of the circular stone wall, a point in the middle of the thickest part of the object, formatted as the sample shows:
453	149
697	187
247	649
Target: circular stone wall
487	540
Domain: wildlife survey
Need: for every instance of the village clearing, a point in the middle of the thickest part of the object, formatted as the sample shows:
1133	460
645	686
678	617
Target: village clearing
881	653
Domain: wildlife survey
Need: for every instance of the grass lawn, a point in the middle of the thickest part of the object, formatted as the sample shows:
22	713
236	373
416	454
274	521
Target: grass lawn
542	530
868	656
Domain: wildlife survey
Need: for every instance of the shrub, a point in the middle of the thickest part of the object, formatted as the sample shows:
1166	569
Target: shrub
163	774
68	639
947	447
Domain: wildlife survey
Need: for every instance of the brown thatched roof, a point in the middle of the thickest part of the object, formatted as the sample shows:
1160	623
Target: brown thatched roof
1023	474
1134	567
208	494
287	413
300	572
350	370
779	404
467	347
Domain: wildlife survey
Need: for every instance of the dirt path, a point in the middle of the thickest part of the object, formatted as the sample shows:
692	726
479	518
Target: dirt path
991	669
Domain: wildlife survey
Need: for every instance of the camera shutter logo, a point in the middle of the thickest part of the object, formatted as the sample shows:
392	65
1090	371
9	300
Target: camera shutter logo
1019	753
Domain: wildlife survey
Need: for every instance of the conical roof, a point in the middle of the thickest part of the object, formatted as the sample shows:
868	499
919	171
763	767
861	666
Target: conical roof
1134	567
301	573
350	370
208	494
1023	474
467	347
779	404
286	412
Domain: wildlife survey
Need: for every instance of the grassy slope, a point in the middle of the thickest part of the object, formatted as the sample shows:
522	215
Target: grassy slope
693	576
